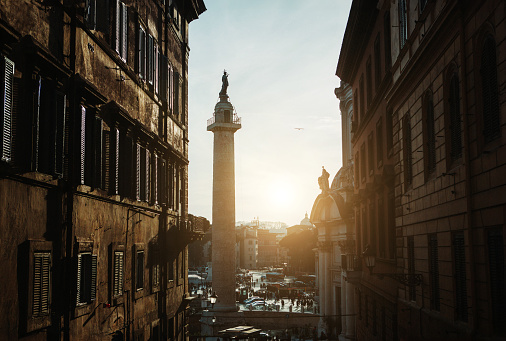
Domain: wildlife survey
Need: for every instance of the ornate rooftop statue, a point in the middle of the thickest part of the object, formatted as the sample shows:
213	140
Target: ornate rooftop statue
323	180
224	85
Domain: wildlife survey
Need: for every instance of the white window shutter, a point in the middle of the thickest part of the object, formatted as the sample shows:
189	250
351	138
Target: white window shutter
83	144
6	114
124	32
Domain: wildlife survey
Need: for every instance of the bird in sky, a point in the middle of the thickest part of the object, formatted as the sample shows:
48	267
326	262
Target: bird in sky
299	128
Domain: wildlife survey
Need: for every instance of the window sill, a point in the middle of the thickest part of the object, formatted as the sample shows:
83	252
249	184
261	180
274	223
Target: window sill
83	309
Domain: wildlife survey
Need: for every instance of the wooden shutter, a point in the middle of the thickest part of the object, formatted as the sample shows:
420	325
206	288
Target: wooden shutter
36	123
408	164
495	243
163	70
155	67
155	180
430	134
171	88
137	172
176	95
41	283
403	23
455	118
142	53
148	175
460	276
90	14
139	273
6	110
82	145
98	147
117	27
59	134
150	49
434	272
93	278
490	95
411	266
124	32
116	160
102	16
118	273
79	279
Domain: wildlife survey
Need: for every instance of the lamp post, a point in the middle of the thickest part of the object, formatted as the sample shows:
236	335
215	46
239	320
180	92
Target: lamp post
410	279
213	298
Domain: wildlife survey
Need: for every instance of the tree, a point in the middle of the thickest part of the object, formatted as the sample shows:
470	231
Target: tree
300	249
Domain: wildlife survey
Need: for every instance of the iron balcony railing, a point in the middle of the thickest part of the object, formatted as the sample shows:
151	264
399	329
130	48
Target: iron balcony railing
235	120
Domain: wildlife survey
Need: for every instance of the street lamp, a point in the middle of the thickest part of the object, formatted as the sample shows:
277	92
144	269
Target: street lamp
410	279
213	298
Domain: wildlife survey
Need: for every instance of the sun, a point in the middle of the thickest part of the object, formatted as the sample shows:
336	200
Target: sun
281	194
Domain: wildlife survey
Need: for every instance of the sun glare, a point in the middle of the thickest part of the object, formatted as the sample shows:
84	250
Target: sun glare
281	194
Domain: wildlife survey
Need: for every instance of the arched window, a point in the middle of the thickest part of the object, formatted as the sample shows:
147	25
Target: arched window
490	96
455	136
429	135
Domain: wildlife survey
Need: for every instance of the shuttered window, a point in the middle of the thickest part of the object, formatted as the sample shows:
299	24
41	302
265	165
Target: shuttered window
156	72
411	267
121	30
495	244
59	135
162	181
357	171
403	23
82	156
142	173
147	175
163	78
382	233
90	14
368	79
370	153
429	135
171	88
377	62
407	152
155	268
127	166
455	118
490	91
86	278
387	41
434	272
362	162
154	182
6	103
460	276
176	86
138	172
118	269
361	99
150	58
139	270
141	53
379	143
41	284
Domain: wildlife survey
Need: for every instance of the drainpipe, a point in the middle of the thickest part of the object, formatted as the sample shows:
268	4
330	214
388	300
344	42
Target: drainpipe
467	163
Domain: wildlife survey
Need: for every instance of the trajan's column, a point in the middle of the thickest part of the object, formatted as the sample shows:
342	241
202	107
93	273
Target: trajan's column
224	124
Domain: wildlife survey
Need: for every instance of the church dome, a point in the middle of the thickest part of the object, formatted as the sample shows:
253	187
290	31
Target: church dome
306	221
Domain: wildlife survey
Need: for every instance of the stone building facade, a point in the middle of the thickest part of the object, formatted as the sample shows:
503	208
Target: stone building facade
93	169
332	216
429	144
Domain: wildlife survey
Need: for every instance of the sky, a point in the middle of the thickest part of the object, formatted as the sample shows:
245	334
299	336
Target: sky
281	56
